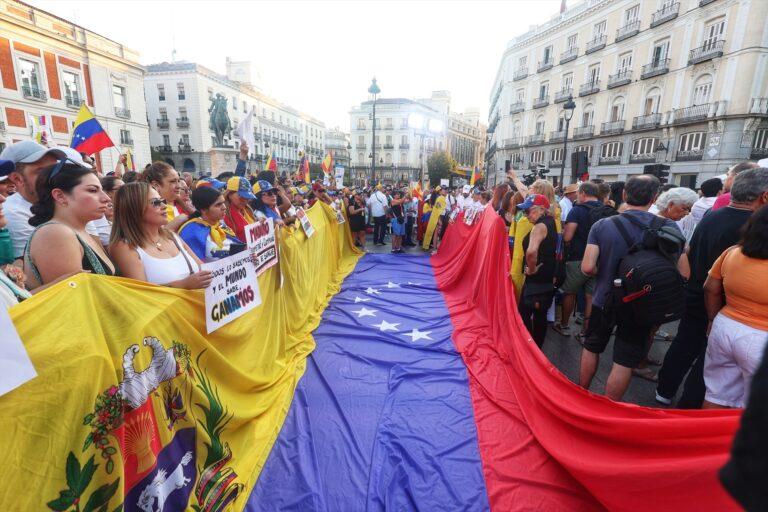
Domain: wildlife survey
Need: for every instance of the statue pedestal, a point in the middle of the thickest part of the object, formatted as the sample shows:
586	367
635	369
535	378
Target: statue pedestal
222	160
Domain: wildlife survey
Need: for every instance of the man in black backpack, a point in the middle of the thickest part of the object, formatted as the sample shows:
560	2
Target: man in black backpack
606	248
585	213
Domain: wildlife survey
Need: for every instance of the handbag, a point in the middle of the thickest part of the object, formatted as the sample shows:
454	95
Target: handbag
183	253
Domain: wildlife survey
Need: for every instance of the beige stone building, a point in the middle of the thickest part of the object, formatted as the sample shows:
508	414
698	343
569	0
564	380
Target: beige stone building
49	66
678	82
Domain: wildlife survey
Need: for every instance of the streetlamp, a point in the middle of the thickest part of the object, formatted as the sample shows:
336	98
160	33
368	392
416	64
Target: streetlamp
374	90
568	109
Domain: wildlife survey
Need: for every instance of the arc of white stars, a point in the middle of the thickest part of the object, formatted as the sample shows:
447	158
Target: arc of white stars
360	299
417	335
372	291
385	326
392	285
365	312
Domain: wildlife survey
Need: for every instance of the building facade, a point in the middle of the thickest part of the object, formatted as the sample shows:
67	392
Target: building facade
676	82
466	139
50	66
338	145
179	95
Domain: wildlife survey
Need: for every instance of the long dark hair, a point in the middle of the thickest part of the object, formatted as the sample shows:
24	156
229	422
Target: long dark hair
108	183
754	235
65	180
433	198
203	197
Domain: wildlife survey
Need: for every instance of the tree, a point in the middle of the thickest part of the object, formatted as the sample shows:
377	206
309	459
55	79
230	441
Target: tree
440	165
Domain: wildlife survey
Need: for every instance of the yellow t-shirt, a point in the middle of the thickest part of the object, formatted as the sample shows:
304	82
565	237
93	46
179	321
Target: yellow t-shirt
744	281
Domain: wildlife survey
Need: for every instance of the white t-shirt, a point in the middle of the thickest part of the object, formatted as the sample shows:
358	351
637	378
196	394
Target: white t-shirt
463	201
378	203
565	206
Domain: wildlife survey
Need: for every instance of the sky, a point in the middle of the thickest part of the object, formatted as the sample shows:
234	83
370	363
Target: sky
319	56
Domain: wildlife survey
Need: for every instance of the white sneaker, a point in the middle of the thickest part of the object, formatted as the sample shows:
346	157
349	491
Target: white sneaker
662	400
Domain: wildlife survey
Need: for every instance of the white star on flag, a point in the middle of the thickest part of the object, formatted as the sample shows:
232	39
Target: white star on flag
365	312
386	326
413	284
416	335
358	300
392	285
372	291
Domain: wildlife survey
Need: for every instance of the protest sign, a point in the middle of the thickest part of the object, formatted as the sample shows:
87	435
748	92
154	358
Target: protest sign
339	175
444	183
469	216
262	244
306	225
233	291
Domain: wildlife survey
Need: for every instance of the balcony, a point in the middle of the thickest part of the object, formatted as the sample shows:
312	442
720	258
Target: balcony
598	43
361	146
164	149
126	140
536	140
185	148
2	127
583	132
758	153
72	100
375	146
759	106
689	156
389	127
702	3
513	143
163	123
540	102
706	52
589	88
623	77
389	146
569	55
563	95
519	74
647	158
122	113
665	14
557	136
405	146
691	114
609	160
33	93
628	30
517	107
655	68
182	122
648	122
613	127
545	65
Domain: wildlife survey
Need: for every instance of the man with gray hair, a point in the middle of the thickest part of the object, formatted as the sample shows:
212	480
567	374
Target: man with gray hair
716	232
725	198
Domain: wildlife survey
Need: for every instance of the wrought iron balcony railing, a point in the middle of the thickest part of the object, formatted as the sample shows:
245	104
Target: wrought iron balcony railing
34	93
123	113
598	43
690	114
665	14
569	55
563	94
558	136
622	77
648	122
655	68
545	65
613	127
583	132
520	73
541	101
516	107
708	51
182	122
689	155
589	88
163	123
628	30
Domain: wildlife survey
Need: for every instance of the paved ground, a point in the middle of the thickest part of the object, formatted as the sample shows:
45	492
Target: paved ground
565	352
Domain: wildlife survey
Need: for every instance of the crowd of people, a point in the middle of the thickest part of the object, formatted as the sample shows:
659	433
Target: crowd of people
621	258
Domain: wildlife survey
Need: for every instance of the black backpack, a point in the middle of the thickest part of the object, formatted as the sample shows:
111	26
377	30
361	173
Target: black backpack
596	213
651	289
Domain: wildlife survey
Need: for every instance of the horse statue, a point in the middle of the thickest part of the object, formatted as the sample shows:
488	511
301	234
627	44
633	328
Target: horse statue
219	122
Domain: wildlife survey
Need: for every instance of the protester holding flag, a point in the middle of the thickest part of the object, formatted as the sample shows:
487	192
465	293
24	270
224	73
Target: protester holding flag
438	207
411	207
144	249
205	232
88	136
68	197
239	214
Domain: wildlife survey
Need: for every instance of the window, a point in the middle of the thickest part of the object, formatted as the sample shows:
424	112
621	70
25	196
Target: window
180	90
599	30
361	124
71	87
652	102
561	123
693	141
163	114
540	123
537	157
361	140
572	41
160	92
588	115
660	52
547	54
360	157
644	147
210	94
118	96
30	76
404	139
234	103
611	150
517	159
593	74
556	155
521	95
184	139
761	139
543	90
125	137
389	140
522	62
586	149
166	140
389	122
702	89
624	62
631	14
713	32
388	159
183	113
516	129
617	109
568	82
404	123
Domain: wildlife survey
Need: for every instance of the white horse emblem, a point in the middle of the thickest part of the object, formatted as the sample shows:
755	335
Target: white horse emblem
161	486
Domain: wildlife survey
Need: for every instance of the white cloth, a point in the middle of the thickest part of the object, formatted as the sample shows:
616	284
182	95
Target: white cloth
463	201
734	351
378	204
103	229
653	209
167	270
244	130
688	223
566	205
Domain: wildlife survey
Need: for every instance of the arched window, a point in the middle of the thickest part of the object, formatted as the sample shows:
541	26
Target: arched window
588	115
652	101
388	159
540	125
617	109
516	129
702	90
561	122
188	165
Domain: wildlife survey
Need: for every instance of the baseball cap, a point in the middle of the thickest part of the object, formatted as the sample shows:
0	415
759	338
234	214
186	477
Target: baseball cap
466	189
534	200
211	182
262	186
75	156
29	151
6	168
240	185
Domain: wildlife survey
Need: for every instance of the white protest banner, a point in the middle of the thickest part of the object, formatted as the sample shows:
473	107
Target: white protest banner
233	291
444	183
306	225
261	241
338	172
339	216
469	216
15	366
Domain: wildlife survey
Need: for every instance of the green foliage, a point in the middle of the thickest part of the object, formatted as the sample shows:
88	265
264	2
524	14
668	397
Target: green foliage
78	480
440	165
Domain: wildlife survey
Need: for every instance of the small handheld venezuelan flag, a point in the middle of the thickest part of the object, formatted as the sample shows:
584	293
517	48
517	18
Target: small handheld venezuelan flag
87	134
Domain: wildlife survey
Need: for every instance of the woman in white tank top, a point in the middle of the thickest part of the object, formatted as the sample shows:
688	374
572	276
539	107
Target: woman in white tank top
143	249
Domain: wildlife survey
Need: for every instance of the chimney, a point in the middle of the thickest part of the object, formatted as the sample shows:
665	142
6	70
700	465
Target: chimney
562	6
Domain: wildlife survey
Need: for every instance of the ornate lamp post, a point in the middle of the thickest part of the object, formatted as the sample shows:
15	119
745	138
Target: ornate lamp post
568	108
374	90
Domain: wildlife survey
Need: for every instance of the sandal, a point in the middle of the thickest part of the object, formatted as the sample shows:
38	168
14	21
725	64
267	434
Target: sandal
652	362
645	373
562	330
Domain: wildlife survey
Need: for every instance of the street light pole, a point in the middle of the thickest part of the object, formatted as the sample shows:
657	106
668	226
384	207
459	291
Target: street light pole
373	89
568	109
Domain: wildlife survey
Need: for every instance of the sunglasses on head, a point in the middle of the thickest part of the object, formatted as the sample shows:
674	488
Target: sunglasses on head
157	203
59	166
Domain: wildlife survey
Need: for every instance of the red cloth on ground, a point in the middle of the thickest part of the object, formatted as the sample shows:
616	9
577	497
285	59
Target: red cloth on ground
546	443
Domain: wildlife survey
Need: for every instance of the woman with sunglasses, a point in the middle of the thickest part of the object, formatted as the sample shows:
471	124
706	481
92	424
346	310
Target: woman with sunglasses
144	249
165	180
205	232
265	204
68	197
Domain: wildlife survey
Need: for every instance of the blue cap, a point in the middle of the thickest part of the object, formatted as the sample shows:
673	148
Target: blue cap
6	168
211	182
534	200
241	185
262	186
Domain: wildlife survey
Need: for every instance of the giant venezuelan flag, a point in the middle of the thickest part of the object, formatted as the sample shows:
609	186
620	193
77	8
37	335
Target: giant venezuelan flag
419	389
